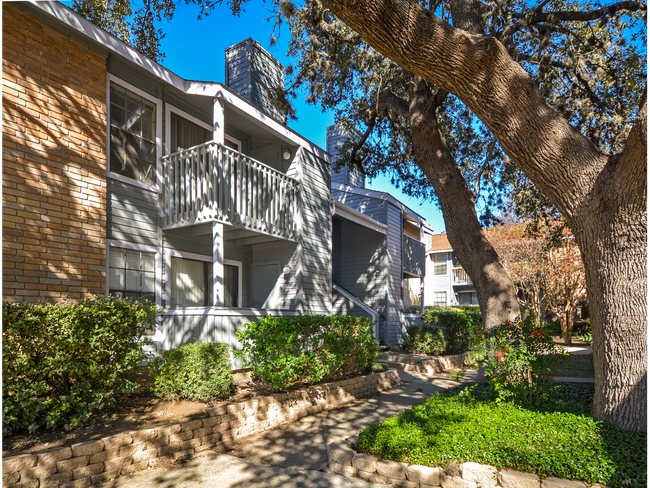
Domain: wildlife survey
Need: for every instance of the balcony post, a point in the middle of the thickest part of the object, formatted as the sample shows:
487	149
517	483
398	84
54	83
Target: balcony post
218	121
217	264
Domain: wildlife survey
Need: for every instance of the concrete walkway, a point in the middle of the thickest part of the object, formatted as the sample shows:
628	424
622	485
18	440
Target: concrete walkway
291	455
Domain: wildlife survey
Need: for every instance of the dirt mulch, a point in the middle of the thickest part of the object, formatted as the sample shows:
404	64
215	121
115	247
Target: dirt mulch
137	410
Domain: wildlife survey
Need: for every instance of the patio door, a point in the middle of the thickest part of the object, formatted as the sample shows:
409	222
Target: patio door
264	276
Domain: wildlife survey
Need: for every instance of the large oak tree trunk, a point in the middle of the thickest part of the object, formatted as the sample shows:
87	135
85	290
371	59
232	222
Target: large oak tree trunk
495	290
603	199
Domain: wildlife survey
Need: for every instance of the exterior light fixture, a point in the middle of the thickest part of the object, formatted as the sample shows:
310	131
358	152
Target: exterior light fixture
286	270
286	155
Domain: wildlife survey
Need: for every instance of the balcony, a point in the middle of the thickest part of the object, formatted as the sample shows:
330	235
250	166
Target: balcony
413	257
461	277
212	182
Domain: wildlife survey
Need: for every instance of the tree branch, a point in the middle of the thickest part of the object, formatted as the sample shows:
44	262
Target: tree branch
388	100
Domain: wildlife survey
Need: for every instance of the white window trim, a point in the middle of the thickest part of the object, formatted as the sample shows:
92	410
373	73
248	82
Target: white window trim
173	253
435	301
168	125
159	146
239	264
233	140
143	248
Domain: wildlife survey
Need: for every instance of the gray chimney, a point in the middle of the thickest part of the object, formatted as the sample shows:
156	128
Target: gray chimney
251	71
336	137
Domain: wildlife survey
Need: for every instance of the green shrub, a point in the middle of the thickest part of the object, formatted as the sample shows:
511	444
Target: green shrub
517	359
61	362
287	350
458	325
424	339
558	438
199	371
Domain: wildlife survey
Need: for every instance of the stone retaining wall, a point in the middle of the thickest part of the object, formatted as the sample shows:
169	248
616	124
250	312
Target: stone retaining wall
345	461
93	462
444	363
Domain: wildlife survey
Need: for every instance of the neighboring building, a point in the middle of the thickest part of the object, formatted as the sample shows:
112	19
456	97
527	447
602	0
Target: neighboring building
378	247
102	194
446	282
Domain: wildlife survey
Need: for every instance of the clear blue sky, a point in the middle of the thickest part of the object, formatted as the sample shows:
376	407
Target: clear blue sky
195	49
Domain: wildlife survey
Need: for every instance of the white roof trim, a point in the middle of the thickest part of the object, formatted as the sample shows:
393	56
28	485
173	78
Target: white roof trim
433	251
382	196
202	88
358	218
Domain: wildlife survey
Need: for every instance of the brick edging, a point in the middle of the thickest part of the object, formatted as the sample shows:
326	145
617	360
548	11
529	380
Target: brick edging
93	462
345	461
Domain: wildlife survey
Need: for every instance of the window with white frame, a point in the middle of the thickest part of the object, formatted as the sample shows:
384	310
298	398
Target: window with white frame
440	299
132	274
185	134
132	135
232	283
467	298
439	264
191	282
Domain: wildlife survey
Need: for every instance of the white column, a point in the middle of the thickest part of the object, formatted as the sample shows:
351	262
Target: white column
218	121
217	264
422	290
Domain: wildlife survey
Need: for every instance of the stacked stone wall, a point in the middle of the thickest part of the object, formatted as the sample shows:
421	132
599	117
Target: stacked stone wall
97	461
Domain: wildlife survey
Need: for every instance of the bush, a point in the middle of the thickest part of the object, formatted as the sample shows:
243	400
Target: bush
458	325
199	371
286	350
61	362
467	424
424	339
518	359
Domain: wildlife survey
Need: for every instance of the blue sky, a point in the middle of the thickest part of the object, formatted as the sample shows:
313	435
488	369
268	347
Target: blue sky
194	50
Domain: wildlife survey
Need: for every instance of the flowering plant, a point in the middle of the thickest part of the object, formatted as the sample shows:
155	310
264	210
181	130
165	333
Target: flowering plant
517	359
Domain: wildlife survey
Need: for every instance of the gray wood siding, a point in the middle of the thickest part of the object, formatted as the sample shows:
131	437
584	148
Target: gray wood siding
132	214
358	263
372	207
394	327
336	137
286	293
251	71
316	242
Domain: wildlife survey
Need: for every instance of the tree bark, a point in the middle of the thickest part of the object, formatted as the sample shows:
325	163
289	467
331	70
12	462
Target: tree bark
495	290
602	197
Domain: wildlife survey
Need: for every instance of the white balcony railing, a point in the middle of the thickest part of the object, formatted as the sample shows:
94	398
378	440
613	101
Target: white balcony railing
213	182
461	277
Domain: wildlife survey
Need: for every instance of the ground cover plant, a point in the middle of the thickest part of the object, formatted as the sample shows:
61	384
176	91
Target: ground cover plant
555	437
574	365
62	362
283	351
199	371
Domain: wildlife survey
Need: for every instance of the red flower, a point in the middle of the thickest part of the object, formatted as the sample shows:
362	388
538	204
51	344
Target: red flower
508	325
537	333
499	355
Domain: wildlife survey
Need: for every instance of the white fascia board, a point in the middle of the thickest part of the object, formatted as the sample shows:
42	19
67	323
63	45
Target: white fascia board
381	195
352	215
439	251
202	88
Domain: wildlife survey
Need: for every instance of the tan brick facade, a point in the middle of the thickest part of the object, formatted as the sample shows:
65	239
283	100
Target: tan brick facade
53	162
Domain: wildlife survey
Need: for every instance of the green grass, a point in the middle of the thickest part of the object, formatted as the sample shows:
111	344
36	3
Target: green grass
555	438
575	365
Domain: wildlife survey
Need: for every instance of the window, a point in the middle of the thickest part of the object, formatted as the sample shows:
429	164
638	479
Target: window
132	274
191	283
440	299
455	261
186	134
133	135
232	284
439	264
232	143
467	298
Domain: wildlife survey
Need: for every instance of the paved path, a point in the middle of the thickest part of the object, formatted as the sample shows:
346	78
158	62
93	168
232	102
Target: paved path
290	456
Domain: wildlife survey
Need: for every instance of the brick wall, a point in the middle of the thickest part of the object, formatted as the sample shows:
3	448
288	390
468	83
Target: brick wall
53	162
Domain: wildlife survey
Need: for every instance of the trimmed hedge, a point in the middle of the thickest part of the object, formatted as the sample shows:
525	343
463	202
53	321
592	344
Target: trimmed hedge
199	371
62	362
283	351
424	339
555	438
457	324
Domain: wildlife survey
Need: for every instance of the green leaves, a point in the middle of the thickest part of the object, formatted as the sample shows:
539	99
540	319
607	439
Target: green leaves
286	350
466	423
61	363
199	371
456	323
424	339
